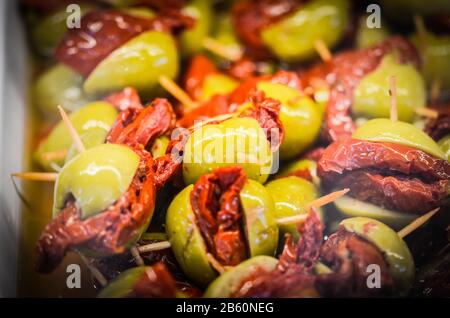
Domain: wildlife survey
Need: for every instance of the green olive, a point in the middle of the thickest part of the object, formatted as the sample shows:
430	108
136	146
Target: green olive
321	97
91	122
351	207
367	37
234	141
386	130
291	195
191	40
300	116
260	219
89	139
224	34
227	284
159	146
435	58
394	249
444	143
371	96
292	38
96	178
186	240
141	12
121	3
122	286
59	85
302	164
187	243
48	32
138	63
217	84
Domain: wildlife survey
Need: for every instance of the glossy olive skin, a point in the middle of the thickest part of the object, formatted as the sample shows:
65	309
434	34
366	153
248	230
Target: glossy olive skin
129	65
291	195
435	58
226	284
371	96
292	38
92	122
386	130
217	84
351	207
301	118
444	143
47	33
122	285
223	33
59	85
191	41
187	243
367	37
234	141
394	249
159	146
96	178
302	164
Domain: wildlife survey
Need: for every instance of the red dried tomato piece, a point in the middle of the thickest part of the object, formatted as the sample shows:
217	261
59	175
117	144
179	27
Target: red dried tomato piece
252	16
216	205
349	256
342	75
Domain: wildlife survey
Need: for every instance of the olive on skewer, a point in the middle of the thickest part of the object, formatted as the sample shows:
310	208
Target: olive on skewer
219	222
349	75
334	268
393	169
104	196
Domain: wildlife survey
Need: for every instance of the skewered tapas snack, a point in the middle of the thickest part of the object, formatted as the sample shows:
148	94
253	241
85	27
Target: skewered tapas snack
227	194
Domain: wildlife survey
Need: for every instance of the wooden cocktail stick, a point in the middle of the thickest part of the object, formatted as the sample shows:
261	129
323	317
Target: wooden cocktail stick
72	131
416	223
322	49
177	92
316	204
219	49
154	247
36	176
94	270
137	256
426	112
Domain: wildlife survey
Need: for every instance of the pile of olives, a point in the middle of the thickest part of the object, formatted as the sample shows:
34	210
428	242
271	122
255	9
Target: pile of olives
235	71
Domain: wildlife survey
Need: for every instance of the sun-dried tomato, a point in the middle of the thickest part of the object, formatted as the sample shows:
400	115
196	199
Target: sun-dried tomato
251	17
342	75
216	204
103	31
348	256
156	282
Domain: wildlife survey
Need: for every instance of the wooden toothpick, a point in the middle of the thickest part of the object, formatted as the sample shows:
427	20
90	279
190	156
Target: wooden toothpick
322	50
421	32
177	92
36	176
54	155
94	270
416	223
314	204
137	257
221	50
153	247
426	112
72	131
